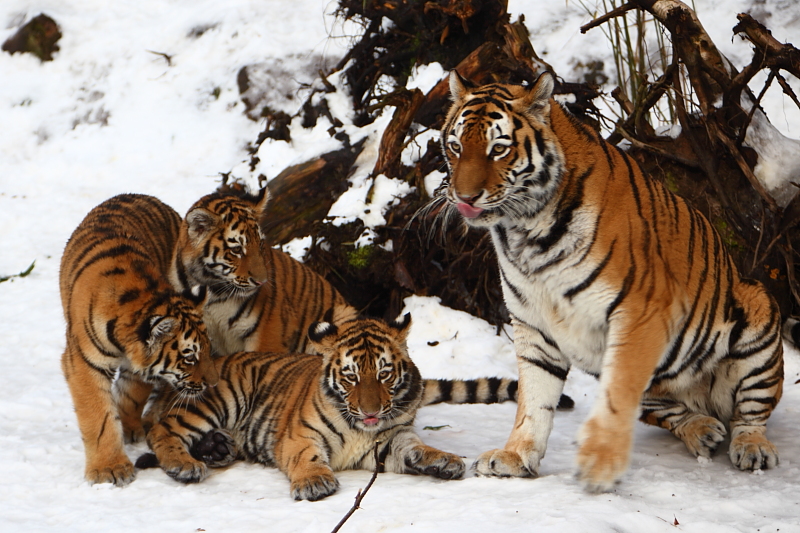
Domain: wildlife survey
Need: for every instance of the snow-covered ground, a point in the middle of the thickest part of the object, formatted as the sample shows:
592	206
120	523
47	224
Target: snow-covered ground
112	115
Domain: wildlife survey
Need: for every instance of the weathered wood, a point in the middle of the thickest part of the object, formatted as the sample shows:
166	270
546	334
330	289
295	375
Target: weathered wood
406	104
302	195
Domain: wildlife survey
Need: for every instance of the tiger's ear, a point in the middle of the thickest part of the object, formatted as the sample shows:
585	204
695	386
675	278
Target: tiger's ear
200	222
322	335
402	325
262	199
155	329
537	99
198	295
459	86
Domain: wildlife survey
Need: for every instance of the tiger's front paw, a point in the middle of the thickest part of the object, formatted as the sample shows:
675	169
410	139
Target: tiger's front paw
702	435
190	471
216	448
506	463
603	455
120	472
314	487
432	462
750	450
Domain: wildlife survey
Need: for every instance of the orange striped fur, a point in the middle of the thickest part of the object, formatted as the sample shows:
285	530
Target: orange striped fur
261	299
309	415
123	315
604	269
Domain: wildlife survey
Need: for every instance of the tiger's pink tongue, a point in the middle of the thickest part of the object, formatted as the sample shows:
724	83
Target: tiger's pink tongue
370	420
468	211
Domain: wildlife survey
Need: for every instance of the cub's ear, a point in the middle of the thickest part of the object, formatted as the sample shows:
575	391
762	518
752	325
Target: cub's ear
155	329
200	222
401	323
262	199
319	332
538	97
198	295
459	86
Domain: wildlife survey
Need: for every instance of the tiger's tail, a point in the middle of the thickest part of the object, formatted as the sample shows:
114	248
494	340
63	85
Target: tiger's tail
481	390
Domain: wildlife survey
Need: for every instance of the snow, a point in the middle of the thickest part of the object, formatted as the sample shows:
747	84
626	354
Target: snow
778	167
112	115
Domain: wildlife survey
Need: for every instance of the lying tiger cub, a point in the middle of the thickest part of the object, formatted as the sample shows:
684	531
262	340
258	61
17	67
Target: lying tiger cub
309	415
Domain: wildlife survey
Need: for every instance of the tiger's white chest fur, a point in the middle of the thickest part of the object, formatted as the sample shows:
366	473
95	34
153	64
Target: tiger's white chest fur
537	285
230	324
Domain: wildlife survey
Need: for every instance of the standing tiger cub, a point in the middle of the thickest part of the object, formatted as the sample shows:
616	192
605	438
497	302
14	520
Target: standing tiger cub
605	269
309	415
123	315
260	299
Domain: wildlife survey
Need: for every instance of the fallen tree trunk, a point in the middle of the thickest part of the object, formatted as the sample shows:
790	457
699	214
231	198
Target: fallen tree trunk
712	162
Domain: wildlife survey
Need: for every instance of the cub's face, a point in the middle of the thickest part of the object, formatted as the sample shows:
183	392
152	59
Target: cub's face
504	160
367	372
220	246
177	350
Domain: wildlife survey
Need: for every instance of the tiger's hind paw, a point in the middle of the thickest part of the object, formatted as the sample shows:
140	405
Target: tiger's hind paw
702	435
752	451
314	487
504	463
216	448
429	461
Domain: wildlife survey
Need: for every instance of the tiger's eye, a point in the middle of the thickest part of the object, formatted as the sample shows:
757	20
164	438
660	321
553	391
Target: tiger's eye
498	149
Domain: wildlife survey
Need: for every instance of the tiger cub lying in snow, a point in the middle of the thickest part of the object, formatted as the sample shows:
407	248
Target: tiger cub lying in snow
309	415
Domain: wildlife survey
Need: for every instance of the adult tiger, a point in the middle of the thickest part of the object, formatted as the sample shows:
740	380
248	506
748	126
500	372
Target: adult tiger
604	269
260	299
123	315
309	415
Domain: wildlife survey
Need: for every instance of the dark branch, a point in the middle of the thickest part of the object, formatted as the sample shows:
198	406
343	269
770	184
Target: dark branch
361	494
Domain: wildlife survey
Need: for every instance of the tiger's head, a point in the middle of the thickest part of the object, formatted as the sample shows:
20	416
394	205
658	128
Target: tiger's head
367	373
503	158
219	245
174	344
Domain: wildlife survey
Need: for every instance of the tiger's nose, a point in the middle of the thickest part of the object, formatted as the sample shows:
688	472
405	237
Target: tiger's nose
468	199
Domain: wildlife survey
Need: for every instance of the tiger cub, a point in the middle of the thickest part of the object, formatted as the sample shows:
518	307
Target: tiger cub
309	415
260	299
123	315
263	300
605	269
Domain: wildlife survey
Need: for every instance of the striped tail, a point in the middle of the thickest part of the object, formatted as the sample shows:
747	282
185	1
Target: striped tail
481	390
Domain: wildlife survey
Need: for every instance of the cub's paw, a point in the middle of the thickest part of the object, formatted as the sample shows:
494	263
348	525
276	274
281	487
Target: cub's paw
702	435
216	448
314	487
186	472
120	473
603	456
752	451
133	434
505	463
432	462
